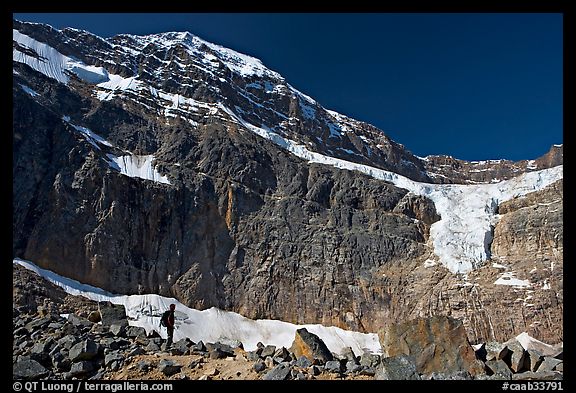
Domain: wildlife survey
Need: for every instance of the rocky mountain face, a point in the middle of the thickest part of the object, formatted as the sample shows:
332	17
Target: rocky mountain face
165	164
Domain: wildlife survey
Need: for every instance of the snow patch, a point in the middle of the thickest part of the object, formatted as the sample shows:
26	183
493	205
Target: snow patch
137	166
509	279
212	324
28	90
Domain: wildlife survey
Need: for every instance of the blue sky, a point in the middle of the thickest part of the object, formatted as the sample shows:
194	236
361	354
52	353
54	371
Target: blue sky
473	86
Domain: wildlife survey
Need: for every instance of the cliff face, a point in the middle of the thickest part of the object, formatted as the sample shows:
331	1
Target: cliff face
161	183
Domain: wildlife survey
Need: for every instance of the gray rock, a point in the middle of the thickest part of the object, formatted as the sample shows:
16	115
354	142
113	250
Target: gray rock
538	376
548	364
259	366
498	369
333	366
152	347
21	331
84	350
136	351
533	359
310	345
353	367
153	334
559	367
55	325
81	368
169	367
494	350
198	347
268	350
282	354
113	314
401	367
113	357
370	371
457	376
217	353
99	329
252	356
303	362
349	354
37	324
28	370
232	343
135	331
144	365
515	357
369	360
68	341
79	321
118	330
278	373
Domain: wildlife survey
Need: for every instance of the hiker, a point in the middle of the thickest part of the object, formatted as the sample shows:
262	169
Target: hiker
167	321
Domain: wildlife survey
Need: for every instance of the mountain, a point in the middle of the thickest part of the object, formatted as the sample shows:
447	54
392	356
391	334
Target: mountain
166	164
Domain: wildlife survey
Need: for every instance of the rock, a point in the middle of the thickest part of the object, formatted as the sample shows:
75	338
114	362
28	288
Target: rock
538	376
349	354
232	343
457	376
494	350
198	347
353	367
81	368
310	345
217	353
144	365
314	370
94	317
21	331
369	360
533	359
181	347
498	369
269	362
169	367
113	357
252	356
37	324
370	371
278	373
195	363
222	348
28	370
118	330
400	367
515	356
303	362
560	367
259	366
84	350
136	351
79	321
268	350
152	347
438	344
282	354
548	364
99	329
135	331
113	314
153	334
333	366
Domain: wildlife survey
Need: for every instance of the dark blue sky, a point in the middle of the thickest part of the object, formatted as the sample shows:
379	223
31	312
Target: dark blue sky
474	86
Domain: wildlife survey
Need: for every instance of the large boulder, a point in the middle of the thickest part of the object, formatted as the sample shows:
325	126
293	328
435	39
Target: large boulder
438	344
310	345
113	314
29	370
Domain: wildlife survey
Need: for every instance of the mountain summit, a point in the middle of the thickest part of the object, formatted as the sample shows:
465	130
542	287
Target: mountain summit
167	164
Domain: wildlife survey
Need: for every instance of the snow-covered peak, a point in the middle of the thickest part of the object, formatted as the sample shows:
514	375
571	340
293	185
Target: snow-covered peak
239	63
